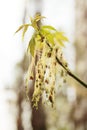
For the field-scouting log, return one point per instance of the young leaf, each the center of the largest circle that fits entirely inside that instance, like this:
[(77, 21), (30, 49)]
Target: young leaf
[(24, 31), (47, 27), (60, 36), (39, 42), (48, 35), (31, 46), (21, 27), (38, 17), (34, 25), (35, 20), (50, 38), (61, 43)]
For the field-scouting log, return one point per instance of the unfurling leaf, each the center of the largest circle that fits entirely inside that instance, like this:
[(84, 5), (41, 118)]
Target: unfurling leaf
[(35, 20), (39, 17)]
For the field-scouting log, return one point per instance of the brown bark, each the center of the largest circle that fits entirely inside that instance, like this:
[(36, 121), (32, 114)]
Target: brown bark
[(38, 119), (19, 121), (38, 115), (81, 43), (81, 38)]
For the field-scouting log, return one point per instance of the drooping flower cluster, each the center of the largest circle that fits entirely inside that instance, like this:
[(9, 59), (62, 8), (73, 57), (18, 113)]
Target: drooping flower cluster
[(44, 46), (45, 73), (45, 76)]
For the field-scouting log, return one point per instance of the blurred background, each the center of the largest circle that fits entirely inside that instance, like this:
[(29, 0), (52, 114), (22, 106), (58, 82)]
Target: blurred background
[(70, 112)]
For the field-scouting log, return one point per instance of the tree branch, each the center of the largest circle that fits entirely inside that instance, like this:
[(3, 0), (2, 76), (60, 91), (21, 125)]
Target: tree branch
[(71, 74)]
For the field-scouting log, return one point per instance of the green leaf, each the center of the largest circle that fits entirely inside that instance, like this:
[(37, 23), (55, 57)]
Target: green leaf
[(35, 20), (31, 46), (34, 25), (50, 38), (21, 27), (61, 43), (60, 36), (24, 31), (48, 35), (39, 17), (48, 28), (39, 42)]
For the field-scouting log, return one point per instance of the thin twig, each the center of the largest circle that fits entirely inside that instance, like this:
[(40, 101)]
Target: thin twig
[(71, 74)]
